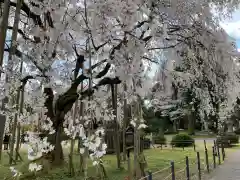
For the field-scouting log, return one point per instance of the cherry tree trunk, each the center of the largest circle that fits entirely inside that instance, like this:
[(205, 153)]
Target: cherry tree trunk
[(175, 126), (57, 154), (190, 124), (124, 122), (56, 157), (230, 127), (205, 126), (116, 125)]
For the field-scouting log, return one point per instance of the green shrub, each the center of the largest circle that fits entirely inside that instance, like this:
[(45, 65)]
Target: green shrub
[(228, 139), (182, 140), (159, 140)]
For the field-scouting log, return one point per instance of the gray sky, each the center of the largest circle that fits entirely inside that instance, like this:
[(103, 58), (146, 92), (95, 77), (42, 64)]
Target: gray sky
[(232, 26)]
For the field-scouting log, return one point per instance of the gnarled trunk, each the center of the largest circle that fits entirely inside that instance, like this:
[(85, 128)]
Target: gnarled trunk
[(56, 111), (56, 157), (57, 154)]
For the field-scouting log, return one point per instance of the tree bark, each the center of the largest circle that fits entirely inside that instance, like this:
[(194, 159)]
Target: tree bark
[(190, 124), (124, 121), (57, 156), (205, 125), (116, 124), (63, 105), (19, 125), (174, 126), (3, 29), (81, 110), (9, 69), (71, 165), (13, 136), (137, 114), (230, 126)]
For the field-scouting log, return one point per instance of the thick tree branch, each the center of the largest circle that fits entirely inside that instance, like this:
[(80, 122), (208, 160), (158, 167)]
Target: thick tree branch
[(49, 102), (104, 71), (79, 65), (99, 63), (36, 18), (25, 79), (103, 82), (66, 101), (17, 52), (23, 34), (96, 48)]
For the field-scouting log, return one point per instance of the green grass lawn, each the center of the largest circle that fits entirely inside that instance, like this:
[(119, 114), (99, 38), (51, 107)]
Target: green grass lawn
[(157, 159)]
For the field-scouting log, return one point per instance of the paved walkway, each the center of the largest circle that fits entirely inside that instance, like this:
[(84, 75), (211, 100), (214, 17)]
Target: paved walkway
[(230, 170)]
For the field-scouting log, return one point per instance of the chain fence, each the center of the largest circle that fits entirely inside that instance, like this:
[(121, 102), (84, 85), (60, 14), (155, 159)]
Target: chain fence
[(191, 168)]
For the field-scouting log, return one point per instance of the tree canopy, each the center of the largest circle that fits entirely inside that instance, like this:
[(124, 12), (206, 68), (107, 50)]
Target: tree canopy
[(78, 65)]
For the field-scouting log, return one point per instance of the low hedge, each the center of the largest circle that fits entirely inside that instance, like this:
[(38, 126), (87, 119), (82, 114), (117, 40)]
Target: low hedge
[(182, 140)]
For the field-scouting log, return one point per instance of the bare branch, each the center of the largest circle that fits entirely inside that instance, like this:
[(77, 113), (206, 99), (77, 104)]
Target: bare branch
[(99, 63), (103, 82), (104, 71), (23, 34), (21, 55), (149, 59), (79, 65), (165, 47), (25, 79)]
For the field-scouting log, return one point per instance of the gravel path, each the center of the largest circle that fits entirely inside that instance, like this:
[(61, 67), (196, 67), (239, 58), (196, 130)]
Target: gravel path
[(230, 170)]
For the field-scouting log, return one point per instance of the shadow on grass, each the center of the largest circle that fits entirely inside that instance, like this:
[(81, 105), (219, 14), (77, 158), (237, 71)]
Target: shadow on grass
[(157, 159)]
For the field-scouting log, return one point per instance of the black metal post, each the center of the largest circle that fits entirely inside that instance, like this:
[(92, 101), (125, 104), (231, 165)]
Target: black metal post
[(199, 165), (187, 168), (173, 170)]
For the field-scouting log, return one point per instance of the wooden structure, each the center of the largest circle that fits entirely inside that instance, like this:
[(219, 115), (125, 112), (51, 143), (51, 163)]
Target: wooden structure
[(109, 139), (129, 135)]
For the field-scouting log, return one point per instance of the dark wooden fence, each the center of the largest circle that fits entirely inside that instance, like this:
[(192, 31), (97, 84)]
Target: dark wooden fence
[(194, 169)]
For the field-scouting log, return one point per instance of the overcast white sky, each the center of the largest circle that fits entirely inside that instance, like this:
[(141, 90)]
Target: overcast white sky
[(232, 26)]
